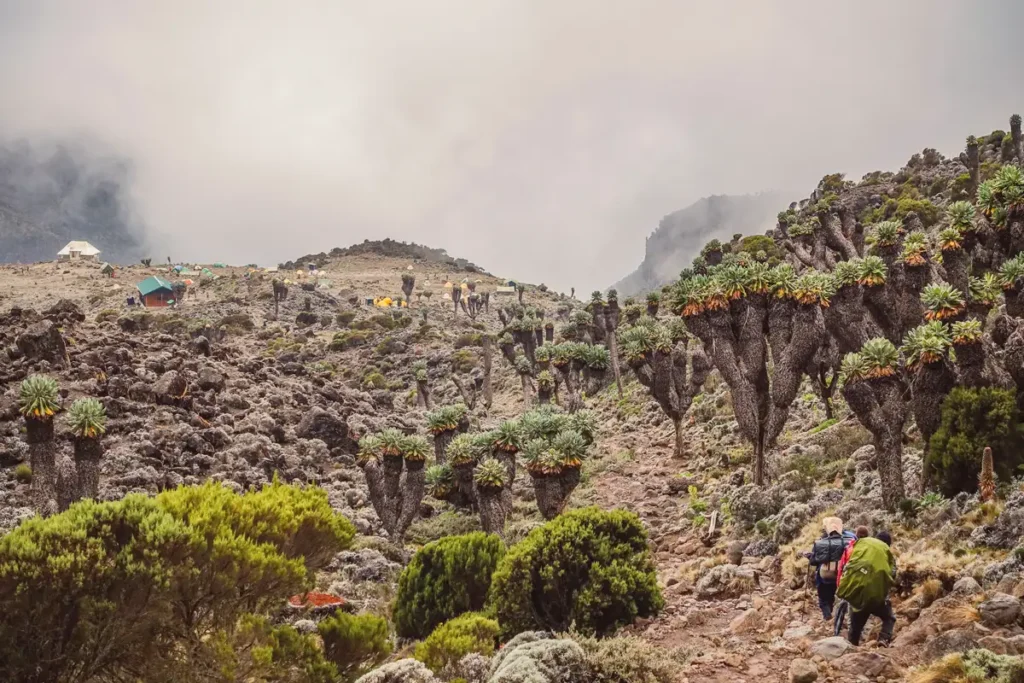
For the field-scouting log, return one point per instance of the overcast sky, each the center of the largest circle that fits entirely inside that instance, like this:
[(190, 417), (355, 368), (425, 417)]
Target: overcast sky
[(542, 139)]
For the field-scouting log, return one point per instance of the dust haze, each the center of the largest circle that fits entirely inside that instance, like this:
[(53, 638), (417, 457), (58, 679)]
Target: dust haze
[(542, 140)]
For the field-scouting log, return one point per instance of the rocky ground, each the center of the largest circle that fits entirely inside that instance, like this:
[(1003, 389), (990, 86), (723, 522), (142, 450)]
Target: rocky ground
[(221, 388)]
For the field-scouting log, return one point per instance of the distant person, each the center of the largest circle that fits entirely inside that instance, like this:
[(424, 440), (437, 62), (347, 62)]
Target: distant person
[(131, 301), (825, 556), (865, 583)]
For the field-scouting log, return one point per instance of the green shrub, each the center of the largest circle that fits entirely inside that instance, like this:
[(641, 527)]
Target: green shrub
[(928, 212), (628, 659), (755, 243), (375, 380), (177, 585), (23, 473), (973, 666), (588, 567), (344, 318), (445, 578), (971, 420), (105, 315), (468, 339), (447, 523), (453, 640), (349, 339), (355, 644), (389, 346), (463, 361)]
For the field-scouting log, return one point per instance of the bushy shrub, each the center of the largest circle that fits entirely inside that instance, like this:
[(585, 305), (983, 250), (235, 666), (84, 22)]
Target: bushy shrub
[(468, 339), (445, 578), (589, 567), (176, 585), (973, 666), (23, 473), (971, 420), (349, 339), (463, 361), (453, 640), (755, 243), (627, 659), (355, 644), (344, 318)]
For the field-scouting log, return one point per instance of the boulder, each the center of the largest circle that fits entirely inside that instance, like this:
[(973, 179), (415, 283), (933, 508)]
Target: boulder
[(210, 379), (953, 640), (966, 586), (734, 553), (328, 427), (1007, 529), (747, 622), (999, 610), (42, 341), (803, 671), (873, 665), (170, 388), (831, 648), (726, 581), (65, 310), (201, 345)]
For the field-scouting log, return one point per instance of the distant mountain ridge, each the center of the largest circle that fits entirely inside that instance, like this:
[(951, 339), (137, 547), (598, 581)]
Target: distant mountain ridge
[(680, 235), (53, 193)]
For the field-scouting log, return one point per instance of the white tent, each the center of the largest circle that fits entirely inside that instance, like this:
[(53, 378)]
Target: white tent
[(78, 250)]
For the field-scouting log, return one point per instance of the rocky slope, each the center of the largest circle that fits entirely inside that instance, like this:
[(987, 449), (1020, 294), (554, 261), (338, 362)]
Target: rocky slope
[(680, 235)]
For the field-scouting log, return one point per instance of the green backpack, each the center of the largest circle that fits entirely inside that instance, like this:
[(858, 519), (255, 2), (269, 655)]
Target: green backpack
[(867, 577)]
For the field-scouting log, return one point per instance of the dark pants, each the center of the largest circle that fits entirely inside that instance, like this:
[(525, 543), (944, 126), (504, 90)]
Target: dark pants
[(859, 618), (826, 598)]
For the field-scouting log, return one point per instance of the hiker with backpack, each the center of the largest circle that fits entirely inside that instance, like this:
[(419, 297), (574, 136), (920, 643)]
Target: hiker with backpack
[(842, 607), (864, 583), (825, 555)]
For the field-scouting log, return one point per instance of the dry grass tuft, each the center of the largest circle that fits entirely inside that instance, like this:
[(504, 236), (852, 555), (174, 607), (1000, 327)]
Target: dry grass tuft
[(930, 591), (949, 669)]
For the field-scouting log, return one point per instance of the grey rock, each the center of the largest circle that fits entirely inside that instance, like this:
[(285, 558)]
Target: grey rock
[(42, 341), (210, 379), (831, 648), (750, 503), (966, 585), (305, 626), (953, 640), (726, 581), (802, 671), (761, 547), (328, 427), (999, 610)]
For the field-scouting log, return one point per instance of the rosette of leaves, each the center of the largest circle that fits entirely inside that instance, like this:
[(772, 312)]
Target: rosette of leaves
[(950, 239), (942, 302), (462, 450), (596, 357), (813, 288), (847, 273), (370, 449), (803, 229), (783, 281), (440, 481), (392, 441), (885, 234), (532, 451), (915, 250), (1012, 273), (415, 448), (419, 371), (853, 368), (716, 296), (545, 382), (507, 437), (445, 419), (985, 290), (523, 365), (571, 446), (87, 418), (872, 272), (926, 344), (733, 280), (584, 423), (961, 216), (759, 279), (37, 398), (489, 475), (542, 355), (967, 332), (1002, 195), (880, 357)]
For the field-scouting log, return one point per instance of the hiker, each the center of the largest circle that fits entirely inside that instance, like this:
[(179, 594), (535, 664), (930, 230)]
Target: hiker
[(825, 555), (865, 583), (842, 607)]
